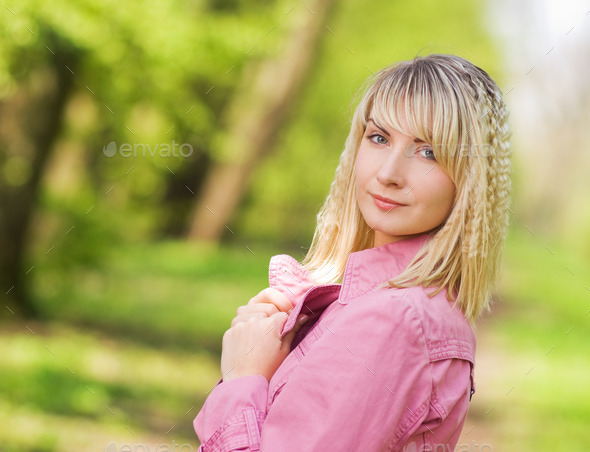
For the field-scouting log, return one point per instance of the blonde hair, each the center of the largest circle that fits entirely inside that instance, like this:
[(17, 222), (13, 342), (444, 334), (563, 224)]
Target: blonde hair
[(455, 106)]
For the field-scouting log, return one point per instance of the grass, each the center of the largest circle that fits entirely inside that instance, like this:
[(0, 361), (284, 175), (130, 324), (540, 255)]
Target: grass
[(66, 389), (174, 294), (131, 347)]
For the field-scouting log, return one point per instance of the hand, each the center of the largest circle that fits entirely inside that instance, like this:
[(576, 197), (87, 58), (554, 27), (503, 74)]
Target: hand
[(255, 347), (266, 303)]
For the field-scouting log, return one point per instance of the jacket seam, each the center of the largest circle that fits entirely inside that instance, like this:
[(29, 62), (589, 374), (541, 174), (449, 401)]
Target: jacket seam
[(300, 304), (346, 277), (436, 406), (294, 265), (252, 429), (423, 407), (414, 419), (298, 355), (450, 348), (321, 289), (371, 289), (434, 394), (233, 421), (345, 300)]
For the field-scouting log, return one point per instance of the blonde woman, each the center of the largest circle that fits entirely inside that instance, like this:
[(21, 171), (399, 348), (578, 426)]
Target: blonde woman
[(368, 345)]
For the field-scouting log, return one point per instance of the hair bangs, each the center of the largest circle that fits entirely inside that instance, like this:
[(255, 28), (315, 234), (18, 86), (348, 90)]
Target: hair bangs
[(418, 100), (399, 104)]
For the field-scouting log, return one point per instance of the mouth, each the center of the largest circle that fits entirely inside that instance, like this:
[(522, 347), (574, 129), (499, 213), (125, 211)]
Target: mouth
[(386, 203)]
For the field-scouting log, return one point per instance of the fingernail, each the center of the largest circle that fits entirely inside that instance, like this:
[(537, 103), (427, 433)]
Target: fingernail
[(304, 318)]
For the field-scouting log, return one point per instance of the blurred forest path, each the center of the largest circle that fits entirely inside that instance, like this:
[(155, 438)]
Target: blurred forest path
[(478, 430)]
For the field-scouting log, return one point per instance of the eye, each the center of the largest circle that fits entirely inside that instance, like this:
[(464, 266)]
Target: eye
[(377, 138), (426, 152)]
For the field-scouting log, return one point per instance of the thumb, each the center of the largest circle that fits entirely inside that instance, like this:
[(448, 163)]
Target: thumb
[(301, 320)]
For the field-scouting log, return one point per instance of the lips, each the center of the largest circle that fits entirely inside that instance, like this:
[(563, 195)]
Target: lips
[(386, 203)]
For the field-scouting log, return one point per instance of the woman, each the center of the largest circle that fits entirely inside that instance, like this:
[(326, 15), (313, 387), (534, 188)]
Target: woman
[(368, 344)]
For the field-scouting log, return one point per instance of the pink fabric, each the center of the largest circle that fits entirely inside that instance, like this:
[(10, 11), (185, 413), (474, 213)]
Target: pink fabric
[(373, 369)]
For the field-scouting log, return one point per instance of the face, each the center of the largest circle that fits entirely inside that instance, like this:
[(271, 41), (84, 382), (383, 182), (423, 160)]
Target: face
[(401, 189)]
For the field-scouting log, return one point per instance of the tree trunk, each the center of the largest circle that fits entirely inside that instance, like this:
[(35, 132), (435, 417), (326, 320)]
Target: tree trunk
[(29, 123), (254, 117)]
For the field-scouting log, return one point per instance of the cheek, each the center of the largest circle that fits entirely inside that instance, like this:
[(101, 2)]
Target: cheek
[(366, 164), (442, 192), (447, 195), (360, 168)]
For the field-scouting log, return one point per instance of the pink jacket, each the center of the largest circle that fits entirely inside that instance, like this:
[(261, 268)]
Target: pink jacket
[(372, 369)]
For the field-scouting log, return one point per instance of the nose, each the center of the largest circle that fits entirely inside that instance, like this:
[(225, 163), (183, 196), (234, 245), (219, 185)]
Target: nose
[(393, 170)]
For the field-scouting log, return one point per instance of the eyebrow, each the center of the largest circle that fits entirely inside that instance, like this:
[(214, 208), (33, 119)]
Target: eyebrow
[(416, 140)]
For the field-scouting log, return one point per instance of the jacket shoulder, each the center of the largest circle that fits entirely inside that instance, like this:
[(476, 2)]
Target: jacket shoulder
[(384, 319), (448, 332), (445, 329)]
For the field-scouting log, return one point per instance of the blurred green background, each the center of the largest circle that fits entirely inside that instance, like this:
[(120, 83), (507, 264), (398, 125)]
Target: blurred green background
[(155, 155)]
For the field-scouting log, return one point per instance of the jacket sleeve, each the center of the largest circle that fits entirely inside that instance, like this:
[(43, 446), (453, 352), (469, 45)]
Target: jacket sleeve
[(232, 415), (364, 385)]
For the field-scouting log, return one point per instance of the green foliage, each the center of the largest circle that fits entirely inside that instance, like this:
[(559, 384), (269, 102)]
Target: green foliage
[(145, 76), (163, 73), (290, 186)]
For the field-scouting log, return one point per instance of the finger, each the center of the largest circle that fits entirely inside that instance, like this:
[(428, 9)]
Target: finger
[(278, 320), (246, 317), (273, 296), (288, 338), (301, 320), (267, 308)]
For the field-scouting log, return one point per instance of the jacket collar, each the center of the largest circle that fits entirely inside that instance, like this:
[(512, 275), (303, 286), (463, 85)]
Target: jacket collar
[(364, 271), (367, 269)]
